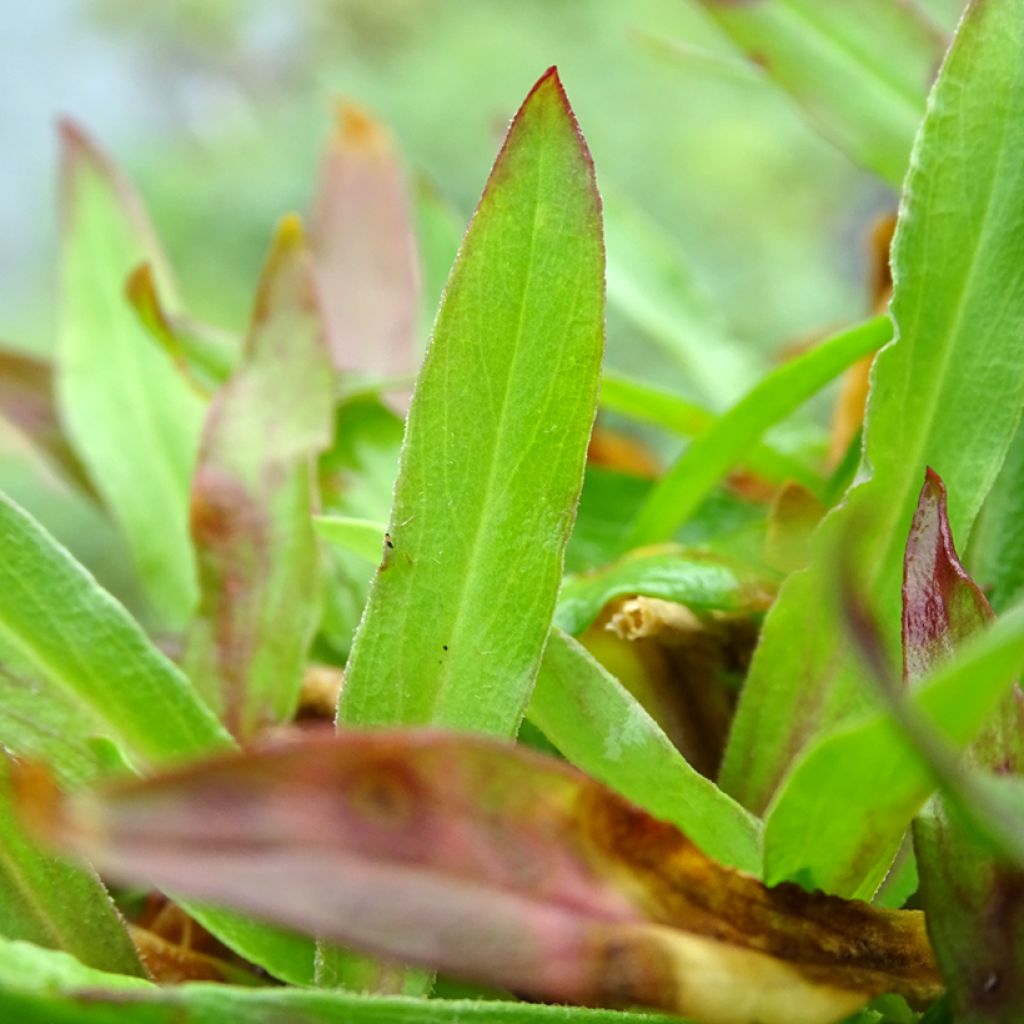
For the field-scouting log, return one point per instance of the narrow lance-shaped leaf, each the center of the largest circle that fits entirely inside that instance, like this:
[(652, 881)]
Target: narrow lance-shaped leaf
[(947, 393), (77, 674), (49, 901), (493, 456), (39, 986), (252, 503), (693, 476), (597, 724), (362, 238), (859, 69), (502, 866), (969, 893), (131, 416)]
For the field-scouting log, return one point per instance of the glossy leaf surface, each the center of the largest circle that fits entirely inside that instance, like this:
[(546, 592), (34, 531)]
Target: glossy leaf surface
[(131, 416), (493, 456), (253, 500), (699, 580), (947, 394)]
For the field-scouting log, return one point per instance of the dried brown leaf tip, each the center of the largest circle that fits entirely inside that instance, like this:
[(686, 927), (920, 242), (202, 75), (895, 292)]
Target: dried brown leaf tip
[(496, 864)]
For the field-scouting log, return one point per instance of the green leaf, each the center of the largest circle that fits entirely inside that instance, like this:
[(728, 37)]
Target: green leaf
[(874, 773), (997, 550), (947, 393), (363, 537), (599, 726), (649, 404), (284, 954), (77, 672), (54, 903), (714, 452), (860, 69), (252, 503), (203, 354), (700, 580), (38, 986), (496, 438), (132, 418)]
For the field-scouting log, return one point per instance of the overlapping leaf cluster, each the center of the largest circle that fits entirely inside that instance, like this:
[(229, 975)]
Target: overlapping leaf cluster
[(211, 540)]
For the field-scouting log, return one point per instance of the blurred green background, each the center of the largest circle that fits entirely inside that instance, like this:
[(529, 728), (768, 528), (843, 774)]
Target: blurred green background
[(219, 110)]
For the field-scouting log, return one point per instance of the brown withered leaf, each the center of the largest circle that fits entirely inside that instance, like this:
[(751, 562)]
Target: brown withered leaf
[(363, 242), (501, 866), (683, 666), (973, 899)]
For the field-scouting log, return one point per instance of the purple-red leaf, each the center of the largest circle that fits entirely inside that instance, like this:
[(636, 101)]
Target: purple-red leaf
[(499, 865), (362, 238), (942, 605), (972, 899), (253, 498)]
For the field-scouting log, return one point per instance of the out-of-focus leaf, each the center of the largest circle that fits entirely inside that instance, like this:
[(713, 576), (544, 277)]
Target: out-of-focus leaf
[(362, 239), (39, 986), (699, 580), (948, 393), (203, 354), (493, 456), (795, 515), (362, 537), (27, 400), (599, 726), (965, 888), (438, 234), (997, 548), (648, 404), (872, 770), (46, 900), (131, 416), (695, 473), (76, 672), (30, 478), (860, 69), (357, 480), (252, 503), (501, 866), (652, 286)]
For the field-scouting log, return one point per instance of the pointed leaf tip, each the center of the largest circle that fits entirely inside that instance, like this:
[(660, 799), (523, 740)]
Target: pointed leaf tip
[(289, 233), (356, 128)]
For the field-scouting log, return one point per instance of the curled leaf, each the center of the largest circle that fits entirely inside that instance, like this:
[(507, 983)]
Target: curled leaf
[(501, 866)]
